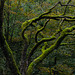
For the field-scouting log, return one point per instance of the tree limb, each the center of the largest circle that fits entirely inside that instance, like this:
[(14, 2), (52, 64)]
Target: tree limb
[(39, 30), (63, 44), (39, 43)]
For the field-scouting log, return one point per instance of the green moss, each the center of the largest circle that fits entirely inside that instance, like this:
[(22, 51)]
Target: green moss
[(44, 47), (67, 30), (26, 36), (11, 59), (72, 17), (28, 22), (24, 24)]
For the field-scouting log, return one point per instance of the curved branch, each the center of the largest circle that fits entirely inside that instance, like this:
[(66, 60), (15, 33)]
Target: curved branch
[(39, 30), (23, 32)]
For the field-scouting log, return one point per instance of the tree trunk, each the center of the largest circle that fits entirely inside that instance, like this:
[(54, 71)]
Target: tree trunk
[(5, 47), (24, 61)]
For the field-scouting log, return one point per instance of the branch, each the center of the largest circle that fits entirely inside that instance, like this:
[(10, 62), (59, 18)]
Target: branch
[(57, 17), (50, 9), (69, 20), (66, 4), (55, 6), (49, 39), (38, 44), (66, 7), (60, 29), (63, 44), (39, 30), (44, 47)]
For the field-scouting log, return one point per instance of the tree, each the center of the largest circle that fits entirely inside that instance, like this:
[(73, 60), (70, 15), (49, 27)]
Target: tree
[(27, 66)]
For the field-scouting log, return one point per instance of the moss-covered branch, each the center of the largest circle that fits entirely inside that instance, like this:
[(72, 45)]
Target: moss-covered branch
[(38, 44), (57, 17), (39, 59), (70, 20), (44, 47), (63, 44)]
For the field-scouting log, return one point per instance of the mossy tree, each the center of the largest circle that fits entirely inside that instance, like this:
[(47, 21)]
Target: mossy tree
[(27, 65)]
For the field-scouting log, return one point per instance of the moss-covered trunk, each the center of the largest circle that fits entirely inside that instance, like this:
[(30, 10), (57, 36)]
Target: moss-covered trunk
[(5, 47)]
